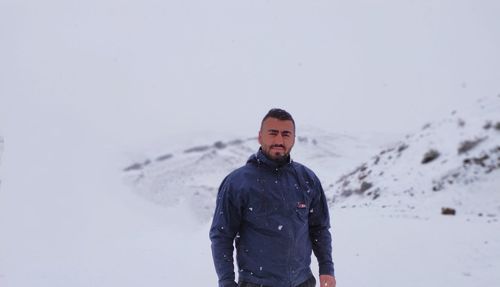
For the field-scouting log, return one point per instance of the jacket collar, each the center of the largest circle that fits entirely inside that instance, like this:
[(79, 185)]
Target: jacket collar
[(260, 158)]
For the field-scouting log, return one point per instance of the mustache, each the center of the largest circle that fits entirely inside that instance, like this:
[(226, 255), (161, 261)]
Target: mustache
[(278, 145)]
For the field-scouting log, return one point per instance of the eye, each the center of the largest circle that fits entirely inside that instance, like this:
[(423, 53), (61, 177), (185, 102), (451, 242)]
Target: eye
[(273, 133)]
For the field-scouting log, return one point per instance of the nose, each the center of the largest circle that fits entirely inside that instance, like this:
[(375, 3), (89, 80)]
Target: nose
[(278, 139)]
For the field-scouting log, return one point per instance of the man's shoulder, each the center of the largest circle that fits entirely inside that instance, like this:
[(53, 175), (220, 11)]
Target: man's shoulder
[(240, 174), (304, 170)]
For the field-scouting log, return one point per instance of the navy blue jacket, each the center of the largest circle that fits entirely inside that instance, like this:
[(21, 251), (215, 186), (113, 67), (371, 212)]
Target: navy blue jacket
[(277, 215)]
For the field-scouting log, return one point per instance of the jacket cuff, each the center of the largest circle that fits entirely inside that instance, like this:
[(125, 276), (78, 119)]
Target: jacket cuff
[(327, 270)]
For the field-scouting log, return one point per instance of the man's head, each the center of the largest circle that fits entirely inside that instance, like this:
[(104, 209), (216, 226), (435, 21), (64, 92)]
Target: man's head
[(277, 134)]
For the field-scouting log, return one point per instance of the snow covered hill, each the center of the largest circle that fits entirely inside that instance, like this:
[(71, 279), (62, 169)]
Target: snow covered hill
[(454, 162), (193, 174)]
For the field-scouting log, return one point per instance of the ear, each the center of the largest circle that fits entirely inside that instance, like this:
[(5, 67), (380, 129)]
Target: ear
[(260, 137)]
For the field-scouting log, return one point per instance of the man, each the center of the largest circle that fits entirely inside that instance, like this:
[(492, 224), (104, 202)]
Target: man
[(276, 212)]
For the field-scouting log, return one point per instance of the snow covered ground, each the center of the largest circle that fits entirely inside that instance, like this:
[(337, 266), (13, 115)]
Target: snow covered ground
[(115, 238), (384, 250)]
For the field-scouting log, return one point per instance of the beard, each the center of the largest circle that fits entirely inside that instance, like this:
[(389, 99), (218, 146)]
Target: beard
[(282, 159), (278, 157)]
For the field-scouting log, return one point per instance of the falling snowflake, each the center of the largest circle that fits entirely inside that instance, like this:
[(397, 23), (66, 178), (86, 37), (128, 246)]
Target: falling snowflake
[(280, 227)]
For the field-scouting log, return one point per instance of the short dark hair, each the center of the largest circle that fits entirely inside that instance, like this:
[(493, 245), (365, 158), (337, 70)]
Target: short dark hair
[(279, 114)]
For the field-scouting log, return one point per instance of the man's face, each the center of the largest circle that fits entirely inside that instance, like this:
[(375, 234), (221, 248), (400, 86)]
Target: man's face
[(276, 137)]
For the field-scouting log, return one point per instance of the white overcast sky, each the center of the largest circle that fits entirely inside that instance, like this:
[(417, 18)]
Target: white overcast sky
[(124, 70)]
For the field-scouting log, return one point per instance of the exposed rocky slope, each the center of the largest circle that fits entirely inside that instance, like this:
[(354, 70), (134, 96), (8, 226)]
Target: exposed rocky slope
[(453, 156)]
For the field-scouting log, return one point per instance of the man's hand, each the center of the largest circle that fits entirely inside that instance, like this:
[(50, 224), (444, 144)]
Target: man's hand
[(327, 281)]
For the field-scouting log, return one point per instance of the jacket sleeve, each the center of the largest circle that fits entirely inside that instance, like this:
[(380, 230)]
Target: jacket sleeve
[(319, 225), (225, 225)]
